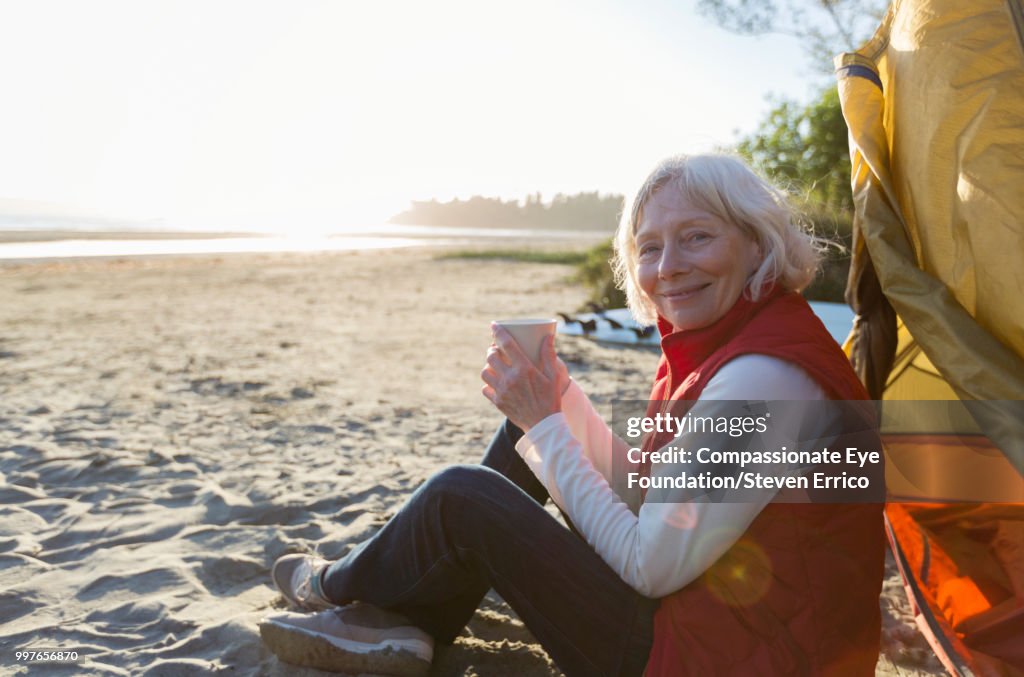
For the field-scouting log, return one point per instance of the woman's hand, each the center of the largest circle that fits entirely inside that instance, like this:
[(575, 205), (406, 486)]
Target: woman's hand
[(525, 394)]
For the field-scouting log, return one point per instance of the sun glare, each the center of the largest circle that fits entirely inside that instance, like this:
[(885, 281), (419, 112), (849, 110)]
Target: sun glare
[(301, 117)]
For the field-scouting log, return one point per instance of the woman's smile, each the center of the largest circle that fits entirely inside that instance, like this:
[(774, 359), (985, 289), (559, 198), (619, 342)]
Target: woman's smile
[(685, 294)]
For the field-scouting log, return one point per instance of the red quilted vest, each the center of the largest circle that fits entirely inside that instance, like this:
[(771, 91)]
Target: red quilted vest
[(798, 593)]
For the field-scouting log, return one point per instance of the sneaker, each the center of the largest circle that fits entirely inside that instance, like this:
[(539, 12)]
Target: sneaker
[(298, 579), (356, 639)]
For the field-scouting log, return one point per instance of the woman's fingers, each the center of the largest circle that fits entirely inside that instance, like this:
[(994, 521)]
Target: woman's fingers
[(496, 357), (496, 363), (490, 377), (508, 344), (524, 393), (548, 356)]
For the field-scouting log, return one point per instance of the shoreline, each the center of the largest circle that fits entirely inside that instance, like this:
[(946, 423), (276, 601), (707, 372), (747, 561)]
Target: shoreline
[(49, 246), (17, 235)]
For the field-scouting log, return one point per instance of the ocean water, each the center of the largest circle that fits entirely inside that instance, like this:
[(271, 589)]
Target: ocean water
[(367, 238)]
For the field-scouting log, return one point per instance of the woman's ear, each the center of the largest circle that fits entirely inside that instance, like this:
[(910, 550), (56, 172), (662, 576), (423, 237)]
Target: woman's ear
[(759, 254), (759, 243)]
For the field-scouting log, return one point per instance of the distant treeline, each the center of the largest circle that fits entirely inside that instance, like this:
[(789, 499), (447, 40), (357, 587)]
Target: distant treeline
[(582, 211)]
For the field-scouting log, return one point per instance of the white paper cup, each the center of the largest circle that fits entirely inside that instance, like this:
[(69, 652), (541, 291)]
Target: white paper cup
[(529, 334)]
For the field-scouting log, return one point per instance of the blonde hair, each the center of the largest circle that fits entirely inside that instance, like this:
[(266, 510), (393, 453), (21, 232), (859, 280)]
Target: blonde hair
[(726, 187)]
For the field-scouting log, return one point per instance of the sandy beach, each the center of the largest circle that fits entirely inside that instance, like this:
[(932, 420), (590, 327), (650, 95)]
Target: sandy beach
[(170, 426)]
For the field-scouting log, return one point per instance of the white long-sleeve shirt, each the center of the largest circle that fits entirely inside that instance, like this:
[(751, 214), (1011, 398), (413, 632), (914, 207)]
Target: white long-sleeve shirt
[(656, 547)]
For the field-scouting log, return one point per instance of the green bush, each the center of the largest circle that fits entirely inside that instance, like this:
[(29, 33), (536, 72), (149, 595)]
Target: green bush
[(523, 255), (595, 273)]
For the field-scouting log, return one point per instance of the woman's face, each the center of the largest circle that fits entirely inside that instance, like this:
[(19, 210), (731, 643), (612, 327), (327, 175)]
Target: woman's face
[(690, 263)]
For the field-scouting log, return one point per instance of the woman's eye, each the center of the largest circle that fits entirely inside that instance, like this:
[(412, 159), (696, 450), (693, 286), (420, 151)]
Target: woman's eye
[(648, 249), (699, 237)]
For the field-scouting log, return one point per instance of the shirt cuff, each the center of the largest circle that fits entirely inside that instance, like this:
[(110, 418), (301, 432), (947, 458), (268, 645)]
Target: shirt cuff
[(534, 435)]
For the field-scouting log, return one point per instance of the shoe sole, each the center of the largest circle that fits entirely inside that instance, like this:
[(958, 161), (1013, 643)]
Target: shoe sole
[(299, 646)]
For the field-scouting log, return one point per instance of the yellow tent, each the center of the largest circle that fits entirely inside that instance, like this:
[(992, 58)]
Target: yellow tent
[(935, 108)]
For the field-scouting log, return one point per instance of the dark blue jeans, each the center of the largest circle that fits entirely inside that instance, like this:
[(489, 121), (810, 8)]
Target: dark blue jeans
[(470, 528)]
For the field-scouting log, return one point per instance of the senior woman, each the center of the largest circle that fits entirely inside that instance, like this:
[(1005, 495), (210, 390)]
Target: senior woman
[(637, 585)]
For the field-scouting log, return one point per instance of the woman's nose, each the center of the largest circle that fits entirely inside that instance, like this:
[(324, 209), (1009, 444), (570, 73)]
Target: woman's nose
[(674, 261)]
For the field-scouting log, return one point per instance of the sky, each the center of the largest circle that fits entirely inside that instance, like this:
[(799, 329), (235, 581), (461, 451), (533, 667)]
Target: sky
[(306, 114)]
